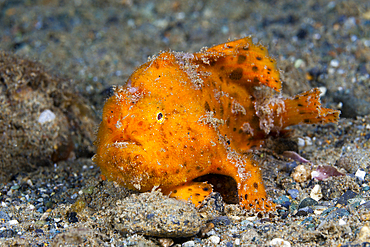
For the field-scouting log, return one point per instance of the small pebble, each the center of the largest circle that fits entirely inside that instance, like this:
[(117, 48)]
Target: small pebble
[(304, 211), (365, 216), (342, 222), (13, 222), (301, 173), (307, 202), (4, 216), (221, 220), (323, 91), (8, 233), (214, 239), (316, 193), (334, 63), (349, 194), (211, 233), (279, 242), (294, 193), (72, 217), (360, 174), (246, 223), (318, 210), (301, 142), (298, 63), (46, 116), (340, 212), (364, 234), (188, 244), (166, 242)]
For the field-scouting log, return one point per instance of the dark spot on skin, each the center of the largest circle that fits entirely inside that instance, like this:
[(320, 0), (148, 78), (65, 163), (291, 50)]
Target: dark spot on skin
[(199, 202), (255, 185), (222, 68), (111, 111), (257, 202), (263, 199), (306, 120), (276, 81), (302, 112), (230, 47), (240, 131), (212, 63), (177, 171), (259, 58), (175, 191), (255, 68), (190, 189), (221, 109), (236, 74), (159, 116), (256, 80), (241, 59), (228, 142), (197, 194), (198, 168), (267, 80), (222, 80), (218, 168), (234, 129), (250, 205), (246, 196), (205, 189), (268, 72), (300, 105), (207, 107)]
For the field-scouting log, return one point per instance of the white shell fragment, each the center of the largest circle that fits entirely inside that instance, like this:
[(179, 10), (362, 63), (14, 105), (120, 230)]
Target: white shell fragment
[(360, 174), (279, 242), (46, 116), (316, 193)]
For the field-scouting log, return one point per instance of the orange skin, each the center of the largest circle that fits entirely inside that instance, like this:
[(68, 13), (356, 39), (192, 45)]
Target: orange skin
[(181, 116)]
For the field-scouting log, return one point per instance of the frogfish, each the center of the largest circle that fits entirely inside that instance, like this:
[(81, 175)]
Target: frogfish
[(181, 116)]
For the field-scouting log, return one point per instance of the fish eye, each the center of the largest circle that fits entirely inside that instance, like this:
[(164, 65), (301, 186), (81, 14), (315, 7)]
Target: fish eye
[(160, 117)]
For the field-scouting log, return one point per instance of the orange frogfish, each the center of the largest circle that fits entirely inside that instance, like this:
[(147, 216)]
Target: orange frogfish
[(184, 115)]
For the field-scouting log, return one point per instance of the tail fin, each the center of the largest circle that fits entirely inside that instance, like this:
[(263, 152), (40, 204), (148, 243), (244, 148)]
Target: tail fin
[(305, 108)]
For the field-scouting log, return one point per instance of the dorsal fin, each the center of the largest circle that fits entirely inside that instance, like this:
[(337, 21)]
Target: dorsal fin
[(242, 62)]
